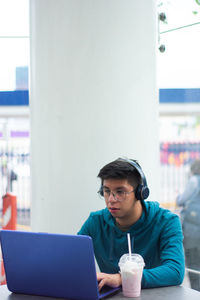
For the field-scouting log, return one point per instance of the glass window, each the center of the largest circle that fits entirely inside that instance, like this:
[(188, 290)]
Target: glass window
[(178, 80), (14, 43), (14, 56), (14, 18), (15, 129)]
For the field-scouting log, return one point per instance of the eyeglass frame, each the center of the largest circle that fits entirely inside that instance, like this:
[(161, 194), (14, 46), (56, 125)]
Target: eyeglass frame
[(101, 193)]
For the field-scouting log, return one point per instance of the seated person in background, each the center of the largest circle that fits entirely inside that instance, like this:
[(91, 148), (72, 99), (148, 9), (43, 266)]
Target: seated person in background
[(190, 217), (155, 232)]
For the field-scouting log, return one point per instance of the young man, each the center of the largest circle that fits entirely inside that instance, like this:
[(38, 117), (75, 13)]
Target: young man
[(155, 232)]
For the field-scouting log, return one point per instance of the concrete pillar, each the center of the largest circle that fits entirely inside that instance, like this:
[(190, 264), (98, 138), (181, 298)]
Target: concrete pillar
[(93, 99)]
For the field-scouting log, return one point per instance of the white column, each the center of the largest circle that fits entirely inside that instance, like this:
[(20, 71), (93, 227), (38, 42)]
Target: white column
[(93, 99)]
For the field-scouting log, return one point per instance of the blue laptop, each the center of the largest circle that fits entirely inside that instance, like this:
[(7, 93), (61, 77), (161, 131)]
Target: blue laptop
[(53, 265)]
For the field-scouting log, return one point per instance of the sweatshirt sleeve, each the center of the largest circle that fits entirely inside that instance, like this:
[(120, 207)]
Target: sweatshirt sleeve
[(172, 268), (86, 227)]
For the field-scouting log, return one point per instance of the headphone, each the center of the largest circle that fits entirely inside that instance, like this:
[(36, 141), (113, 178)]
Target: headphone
[(142, 190)]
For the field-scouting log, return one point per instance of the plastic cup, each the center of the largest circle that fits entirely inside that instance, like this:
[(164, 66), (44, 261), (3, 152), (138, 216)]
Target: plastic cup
[(131, 269)]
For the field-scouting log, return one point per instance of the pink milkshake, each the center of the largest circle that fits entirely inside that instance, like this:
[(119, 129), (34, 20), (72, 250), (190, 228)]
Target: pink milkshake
[(131, 269)]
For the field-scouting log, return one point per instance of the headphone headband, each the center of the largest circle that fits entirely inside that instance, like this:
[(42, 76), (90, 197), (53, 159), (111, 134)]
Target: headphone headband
[(142, 190), (137, 167)]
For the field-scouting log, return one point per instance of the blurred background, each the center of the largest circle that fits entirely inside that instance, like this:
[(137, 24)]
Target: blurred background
[(179, 98)]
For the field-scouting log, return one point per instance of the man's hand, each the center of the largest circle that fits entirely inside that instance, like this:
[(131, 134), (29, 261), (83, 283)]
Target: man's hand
[(113, 280)]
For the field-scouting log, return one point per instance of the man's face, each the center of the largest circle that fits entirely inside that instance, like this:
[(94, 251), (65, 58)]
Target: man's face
[(124, 208)]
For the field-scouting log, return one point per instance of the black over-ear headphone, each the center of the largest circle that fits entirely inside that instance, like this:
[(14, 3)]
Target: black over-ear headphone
[(142, 190)]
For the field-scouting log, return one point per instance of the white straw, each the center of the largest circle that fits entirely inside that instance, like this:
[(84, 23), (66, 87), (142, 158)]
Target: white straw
[(129, 244)]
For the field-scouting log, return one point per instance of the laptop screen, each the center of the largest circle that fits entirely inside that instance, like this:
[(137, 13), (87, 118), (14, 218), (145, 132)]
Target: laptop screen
[(54, 265)]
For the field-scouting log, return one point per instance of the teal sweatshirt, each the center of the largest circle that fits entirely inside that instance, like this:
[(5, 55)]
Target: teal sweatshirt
[(157, 236)]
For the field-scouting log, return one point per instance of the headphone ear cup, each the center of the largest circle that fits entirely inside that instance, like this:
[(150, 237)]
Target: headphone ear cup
[(145, 192), (138, 190), (141, 192)]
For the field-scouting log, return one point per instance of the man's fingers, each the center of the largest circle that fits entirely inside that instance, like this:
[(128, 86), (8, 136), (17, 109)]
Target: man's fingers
[(101, 284), (113, 280), (100, 276)]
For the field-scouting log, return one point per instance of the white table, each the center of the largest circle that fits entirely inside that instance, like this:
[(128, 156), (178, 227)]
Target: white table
[(165, 293)]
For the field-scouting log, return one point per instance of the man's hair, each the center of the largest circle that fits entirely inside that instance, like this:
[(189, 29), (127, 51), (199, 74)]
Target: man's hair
[(195, 167), (121, 169)]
